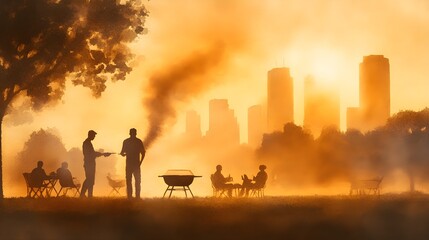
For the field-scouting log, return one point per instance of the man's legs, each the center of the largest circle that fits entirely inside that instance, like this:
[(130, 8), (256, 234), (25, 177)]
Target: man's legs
[(84, 188), (88, 184), (128, 175), (91, 179), (137, 180)]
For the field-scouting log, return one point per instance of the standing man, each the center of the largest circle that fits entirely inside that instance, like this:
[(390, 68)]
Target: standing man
[(133, 148), (89, 155)]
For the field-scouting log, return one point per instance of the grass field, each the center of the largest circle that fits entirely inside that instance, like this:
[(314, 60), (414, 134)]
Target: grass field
[(387, 217)]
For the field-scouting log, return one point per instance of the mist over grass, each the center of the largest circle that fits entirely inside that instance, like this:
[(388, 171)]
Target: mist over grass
[(339, 217)]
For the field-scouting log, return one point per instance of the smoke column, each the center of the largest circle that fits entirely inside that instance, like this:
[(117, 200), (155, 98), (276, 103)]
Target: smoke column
[(177, 84)]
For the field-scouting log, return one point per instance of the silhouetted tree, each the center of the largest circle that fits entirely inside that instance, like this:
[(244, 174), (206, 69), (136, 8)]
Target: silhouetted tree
[(355, 150), (43, 43), (42, 145), (411, 130), (289, 153), (331, 156), (401, 144)]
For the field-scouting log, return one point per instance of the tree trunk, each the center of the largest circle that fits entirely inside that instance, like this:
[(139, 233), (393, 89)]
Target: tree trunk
[(412, 182), (412, 188), (1, 160)]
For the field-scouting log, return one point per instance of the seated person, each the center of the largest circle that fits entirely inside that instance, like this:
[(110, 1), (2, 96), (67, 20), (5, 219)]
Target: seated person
[(65, 177), (221, 182), (258, 181), (38, 175)]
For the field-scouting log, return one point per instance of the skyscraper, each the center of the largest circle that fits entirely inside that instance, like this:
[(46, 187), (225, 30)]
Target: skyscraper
[(321, 107), (223, 125), (374, 80), (279, 99), (374, 93), (353, 118), (255, 125)]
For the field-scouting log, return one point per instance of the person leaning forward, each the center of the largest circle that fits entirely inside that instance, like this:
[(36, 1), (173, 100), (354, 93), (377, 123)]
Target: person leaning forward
[(89, 155), (133, 148)]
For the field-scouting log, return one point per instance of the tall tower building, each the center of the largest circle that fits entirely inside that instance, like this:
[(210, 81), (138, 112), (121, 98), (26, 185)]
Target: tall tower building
[(374, 84), (255, 125), (374, 93), (223, 125), (193, 124), (321, 107), (279, 99)]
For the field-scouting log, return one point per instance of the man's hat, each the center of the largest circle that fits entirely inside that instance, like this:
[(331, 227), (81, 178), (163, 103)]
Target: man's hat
[(91, 132)]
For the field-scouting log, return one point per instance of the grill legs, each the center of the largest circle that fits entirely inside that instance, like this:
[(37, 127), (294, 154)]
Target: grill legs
[(178, 188)]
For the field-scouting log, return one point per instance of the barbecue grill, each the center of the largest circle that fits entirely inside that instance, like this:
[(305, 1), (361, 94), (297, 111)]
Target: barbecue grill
[(178, 180)]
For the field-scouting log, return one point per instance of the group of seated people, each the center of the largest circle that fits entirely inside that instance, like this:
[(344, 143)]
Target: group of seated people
[(221, 182), (63, 174)]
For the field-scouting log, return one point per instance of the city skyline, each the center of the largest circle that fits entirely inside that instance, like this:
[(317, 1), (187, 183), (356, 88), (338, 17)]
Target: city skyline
[(321, 103)]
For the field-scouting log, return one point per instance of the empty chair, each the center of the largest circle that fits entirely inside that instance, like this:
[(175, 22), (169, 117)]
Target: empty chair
[(115, 184), (366, 186), (35, 189)]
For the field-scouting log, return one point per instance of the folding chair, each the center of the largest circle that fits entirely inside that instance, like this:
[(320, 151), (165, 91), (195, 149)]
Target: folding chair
[(217, 191), (66, 186), (34, 190), (366, 186), (257, 192), (116, 185)]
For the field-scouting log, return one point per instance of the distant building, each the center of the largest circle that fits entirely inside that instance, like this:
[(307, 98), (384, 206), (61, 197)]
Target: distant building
[(374, 94), (223, 125), (353, 118), (279, 99), (321, 107), (255, 125), (193, 124)]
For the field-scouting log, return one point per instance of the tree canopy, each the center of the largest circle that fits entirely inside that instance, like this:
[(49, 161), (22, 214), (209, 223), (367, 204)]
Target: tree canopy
[(45, 41), (402, 143)]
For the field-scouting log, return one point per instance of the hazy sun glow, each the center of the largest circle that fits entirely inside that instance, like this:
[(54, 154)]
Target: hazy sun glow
[(326, 66)]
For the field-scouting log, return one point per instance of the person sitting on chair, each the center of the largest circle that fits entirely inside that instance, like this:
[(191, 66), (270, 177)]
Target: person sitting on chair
[(38, 175), (258, 181), (65, 177), (221, 182)]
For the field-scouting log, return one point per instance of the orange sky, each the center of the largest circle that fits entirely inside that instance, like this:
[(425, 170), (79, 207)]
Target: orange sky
[(324, 38)]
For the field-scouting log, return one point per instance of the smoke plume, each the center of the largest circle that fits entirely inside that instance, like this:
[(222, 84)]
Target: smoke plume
[(177, 84)]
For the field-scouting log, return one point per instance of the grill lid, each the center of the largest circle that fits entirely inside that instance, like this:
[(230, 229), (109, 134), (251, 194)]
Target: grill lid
[(178, 172)]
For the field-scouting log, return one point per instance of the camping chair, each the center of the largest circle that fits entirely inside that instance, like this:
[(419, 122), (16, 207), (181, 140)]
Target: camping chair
[(34, 190), (115, 184), (257, 192), (218, 191), (366, 186), (67, 185)]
